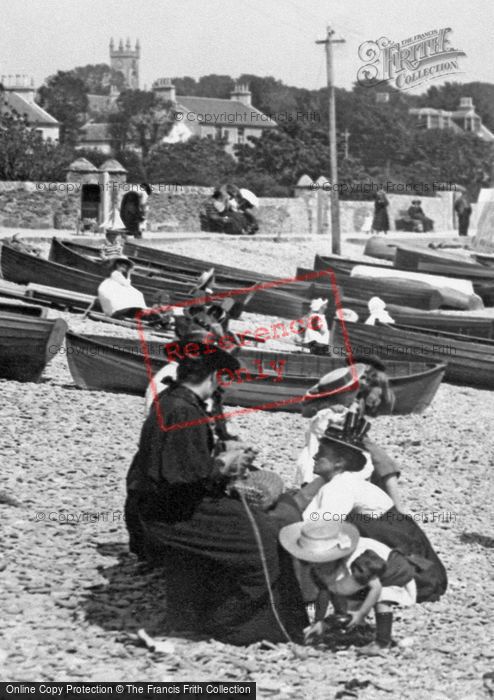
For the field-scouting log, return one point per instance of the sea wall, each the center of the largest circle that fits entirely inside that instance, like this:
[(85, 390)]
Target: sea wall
[(172, 208)]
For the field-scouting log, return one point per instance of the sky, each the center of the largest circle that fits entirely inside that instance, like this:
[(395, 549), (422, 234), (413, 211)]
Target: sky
[(230, 37)]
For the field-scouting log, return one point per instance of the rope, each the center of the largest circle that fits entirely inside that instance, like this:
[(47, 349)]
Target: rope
[(262, 554)]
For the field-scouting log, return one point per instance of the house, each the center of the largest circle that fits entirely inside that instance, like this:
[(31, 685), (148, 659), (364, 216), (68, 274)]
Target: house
[(209, 117), (234, 119), (18, 96), (96, 136), (463, 119)]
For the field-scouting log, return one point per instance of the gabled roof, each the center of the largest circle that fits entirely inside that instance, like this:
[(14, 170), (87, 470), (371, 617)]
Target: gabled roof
[(34, 114), (113, 166), (225, 112), (82, 165)]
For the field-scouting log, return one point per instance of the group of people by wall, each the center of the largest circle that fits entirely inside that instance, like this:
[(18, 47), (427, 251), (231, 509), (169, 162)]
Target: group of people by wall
[(415, 219), (230, 210)]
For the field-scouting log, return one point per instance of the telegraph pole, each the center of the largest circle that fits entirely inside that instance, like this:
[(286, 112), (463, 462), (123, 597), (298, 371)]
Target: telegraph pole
[(333, 157)]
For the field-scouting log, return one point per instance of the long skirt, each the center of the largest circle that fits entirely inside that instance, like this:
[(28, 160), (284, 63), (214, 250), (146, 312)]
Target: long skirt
[(400, 531), (463, 223), (381, 219), (214, 574)]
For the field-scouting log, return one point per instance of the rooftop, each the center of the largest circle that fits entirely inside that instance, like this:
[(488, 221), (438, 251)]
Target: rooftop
[(225, 112), (33, 113)]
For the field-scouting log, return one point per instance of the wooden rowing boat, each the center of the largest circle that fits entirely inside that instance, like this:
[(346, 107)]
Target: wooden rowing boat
[(25, 268), (485, 259), (139, 252), (469, 360), (27, 345), (286, 301), (416, 294), (118, 365), (448, 265), (88, 259), (460, 322), (384, 281)]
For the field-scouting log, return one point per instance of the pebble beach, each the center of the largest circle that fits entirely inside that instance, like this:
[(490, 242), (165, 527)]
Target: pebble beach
[(73, 598)]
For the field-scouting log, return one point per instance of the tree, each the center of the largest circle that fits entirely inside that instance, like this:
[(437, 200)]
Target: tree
[(65, 97), (99, 78), (23, 153), (132, 162), (142, 120), (202, 162), (442, 155)]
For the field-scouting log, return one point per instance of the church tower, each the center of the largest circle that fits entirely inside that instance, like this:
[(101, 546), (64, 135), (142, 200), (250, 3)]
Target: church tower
[(126, 60)]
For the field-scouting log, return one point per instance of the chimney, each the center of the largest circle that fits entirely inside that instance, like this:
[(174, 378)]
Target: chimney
[(21, 84), (164, 89), (466, 103), (241, 93)]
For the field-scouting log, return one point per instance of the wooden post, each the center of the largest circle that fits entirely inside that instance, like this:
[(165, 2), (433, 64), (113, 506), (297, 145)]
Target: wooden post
[(333, 156)]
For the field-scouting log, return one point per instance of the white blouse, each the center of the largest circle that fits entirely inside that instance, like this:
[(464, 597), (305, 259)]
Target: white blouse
[(116, 293), (345, 492)]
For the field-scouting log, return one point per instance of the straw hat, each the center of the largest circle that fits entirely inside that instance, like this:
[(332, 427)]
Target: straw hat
[(335, 382), (319, 542)]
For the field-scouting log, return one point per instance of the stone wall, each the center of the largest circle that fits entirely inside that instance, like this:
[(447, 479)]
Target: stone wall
[(48, 205)]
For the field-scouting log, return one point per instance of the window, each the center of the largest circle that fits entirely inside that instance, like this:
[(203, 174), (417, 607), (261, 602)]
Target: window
[(241, 135), (226, 134)]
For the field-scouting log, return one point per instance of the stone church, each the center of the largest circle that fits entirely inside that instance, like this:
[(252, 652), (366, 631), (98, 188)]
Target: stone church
[(126, 60)]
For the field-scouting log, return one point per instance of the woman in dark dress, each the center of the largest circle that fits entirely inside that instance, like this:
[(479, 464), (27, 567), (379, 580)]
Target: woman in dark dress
[(381, 219)]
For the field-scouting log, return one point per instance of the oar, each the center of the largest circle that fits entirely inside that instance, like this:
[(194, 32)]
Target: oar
[(90, 308)]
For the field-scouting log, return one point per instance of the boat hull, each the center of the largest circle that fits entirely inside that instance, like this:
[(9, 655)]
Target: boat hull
[(118, 365), (286, 301), (469, 360), (27, 345)]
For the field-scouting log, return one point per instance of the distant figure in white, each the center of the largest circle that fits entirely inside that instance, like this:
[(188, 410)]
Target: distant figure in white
[(377, 309), (117, 296)]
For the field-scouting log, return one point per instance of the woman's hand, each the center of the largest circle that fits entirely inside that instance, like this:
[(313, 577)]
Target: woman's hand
[(235, 463)]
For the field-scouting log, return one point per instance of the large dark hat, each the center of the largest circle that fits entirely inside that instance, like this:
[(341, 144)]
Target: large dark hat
[(199, 349), (354, 455), (114, 260)]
